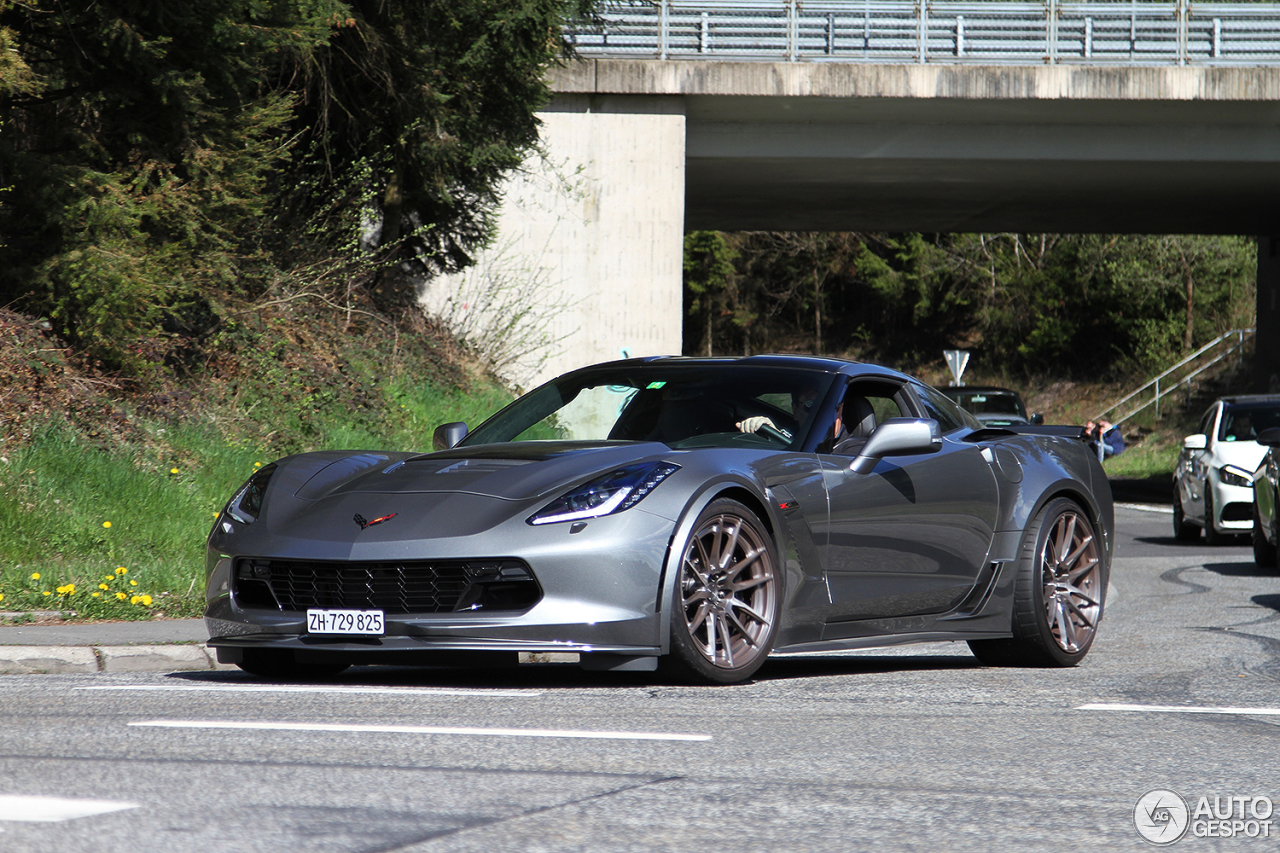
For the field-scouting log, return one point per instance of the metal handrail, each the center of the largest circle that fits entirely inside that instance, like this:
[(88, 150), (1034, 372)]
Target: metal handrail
[(1053, 32), (1241, 335)]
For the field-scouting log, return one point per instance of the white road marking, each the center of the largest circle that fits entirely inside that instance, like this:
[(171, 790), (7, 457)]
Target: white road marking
[(414, 730), (1181, 709), (1163, 510), (55, 809), (318, 688)]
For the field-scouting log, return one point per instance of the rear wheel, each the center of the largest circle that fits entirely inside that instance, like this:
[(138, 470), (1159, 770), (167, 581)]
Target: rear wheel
[(1264, 553), (279, 665), (727, 598), (1182, 531), (1058, 594)]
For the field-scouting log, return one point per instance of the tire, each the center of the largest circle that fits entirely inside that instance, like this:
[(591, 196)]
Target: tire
[(1182, 531), (1058, 594), (280, 666), (1211, 536), (1264, 553), (728, 597)]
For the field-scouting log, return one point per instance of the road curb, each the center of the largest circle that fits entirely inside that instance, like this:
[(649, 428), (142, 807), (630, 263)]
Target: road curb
[(27, 660)]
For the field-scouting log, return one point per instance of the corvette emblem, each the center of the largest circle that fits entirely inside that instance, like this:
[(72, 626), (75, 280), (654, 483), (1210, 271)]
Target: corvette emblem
[(359, 519)]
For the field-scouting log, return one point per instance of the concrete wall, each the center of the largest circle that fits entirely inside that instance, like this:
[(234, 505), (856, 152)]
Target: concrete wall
[(588, 259)]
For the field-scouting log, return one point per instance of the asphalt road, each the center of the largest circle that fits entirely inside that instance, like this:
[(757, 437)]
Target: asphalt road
[(908, 749)]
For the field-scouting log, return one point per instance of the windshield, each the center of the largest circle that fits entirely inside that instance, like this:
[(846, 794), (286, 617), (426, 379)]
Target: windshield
[(680, 405), (1244, 422)]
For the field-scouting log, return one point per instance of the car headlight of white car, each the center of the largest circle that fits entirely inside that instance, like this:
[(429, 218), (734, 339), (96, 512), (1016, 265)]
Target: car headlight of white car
[(1233, 475)]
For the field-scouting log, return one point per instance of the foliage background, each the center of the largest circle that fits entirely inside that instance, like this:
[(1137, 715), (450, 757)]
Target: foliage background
[(1076, 306)]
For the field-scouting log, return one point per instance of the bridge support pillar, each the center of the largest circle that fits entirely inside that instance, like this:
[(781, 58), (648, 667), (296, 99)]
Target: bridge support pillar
[(1266, 357), (588, 258)]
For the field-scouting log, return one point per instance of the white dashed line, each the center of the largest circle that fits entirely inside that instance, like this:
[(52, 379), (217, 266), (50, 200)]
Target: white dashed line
[(414, 730), (426, 692), (1182, 709), (55, 809)]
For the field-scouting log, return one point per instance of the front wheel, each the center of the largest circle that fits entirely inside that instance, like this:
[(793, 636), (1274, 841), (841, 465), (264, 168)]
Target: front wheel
[(1211, 534), (1182, 531), (1058, 594), (728, 597)]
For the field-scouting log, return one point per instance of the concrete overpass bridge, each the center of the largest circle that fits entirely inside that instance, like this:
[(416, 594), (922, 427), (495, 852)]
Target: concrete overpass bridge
[(881, 115)]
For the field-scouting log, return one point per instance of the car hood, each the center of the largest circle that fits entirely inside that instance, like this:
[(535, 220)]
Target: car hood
[(1245, 454), (511, 471)]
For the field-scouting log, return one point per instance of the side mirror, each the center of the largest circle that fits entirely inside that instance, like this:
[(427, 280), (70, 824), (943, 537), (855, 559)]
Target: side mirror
[(1269, 437), (898, 437), (1037, 419), (1199, 441), (448, 435)]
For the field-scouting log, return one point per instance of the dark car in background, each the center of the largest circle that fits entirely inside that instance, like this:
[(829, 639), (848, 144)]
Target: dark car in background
[(992, 406)]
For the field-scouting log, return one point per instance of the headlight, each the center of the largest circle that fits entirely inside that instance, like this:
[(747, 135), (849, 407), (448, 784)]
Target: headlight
[(1234, 476), (247, 502), (614, 492)]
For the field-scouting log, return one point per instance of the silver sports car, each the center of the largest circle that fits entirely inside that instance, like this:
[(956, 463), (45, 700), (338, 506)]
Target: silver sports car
[(692, 513)]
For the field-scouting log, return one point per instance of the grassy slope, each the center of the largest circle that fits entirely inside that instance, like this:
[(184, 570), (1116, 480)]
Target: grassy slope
[(108, 489)]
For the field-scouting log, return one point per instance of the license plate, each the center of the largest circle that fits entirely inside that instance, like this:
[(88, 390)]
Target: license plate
[(345, 622)]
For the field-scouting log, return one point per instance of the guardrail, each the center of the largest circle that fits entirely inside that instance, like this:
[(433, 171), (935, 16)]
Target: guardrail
[(1182, 373), (944, 31)]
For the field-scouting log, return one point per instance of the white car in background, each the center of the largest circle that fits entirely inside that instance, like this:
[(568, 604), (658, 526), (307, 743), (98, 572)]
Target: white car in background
[(1213, 480)]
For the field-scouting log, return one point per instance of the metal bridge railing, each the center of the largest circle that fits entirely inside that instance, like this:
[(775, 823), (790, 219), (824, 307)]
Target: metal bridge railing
[(1181, 374), (943, 31)]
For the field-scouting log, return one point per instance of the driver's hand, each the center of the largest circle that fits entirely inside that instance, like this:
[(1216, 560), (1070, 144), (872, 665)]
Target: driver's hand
[(754, 423)]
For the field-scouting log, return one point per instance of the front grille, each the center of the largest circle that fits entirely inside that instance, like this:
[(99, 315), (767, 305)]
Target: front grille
[(395, 587)]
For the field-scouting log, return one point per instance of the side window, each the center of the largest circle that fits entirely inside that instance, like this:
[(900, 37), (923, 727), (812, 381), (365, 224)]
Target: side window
[(866, 404), (940, 407)]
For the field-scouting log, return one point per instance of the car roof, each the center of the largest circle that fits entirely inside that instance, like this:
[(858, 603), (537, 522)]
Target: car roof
[(1251, 398), (827, 364)]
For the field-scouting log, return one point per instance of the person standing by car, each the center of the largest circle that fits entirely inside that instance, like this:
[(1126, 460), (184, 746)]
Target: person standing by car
[(1105, 438)]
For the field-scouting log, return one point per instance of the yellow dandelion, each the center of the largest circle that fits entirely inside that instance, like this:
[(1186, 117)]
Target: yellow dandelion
[(35, 576), (46, 592), (103, 586), (121, 596), (109, 579), (97, 595), (135, 599), (67, 589), (257, 465), (133, 583), (146, 599), (216, 514), (121, 570), (1, 596), (173, 470), (106, 524)]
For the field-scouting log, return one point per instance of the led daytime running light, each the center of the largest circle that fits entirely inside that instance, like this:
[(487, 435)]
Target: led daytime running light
[(614, 492)]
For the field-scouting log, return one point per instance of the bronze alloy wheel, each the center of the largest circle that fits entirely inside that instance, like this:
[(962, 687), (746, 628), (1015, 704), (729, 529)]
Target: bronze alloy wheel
[(1070, 571), (729, 595), (1061, 582)]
